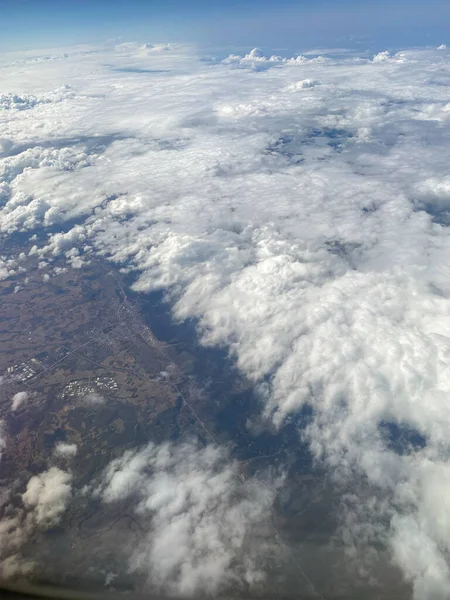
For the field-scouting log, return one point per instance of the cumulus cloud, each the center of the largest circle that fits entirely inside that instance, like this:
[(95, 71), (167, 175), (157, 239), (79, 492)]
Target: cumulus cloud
[(40, 507), (66, 450), (306, 232), (257, 61), (434, 194), (47, 495), (7, 267), (146, 48), (386, 56), (206, 528), (19, 102), (19, 400), (304, 84), (93, 399)]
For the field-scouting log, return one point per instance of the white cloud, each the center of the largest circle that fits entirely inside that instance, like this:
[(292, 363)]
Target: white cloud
[(256, 60), (93, 399), (146, 48), (207, 529), (307, 232), (202, 525), (19, 400), (150, 48), (15, 566), (40, 507), (47, 496), (65, 450), (386, 56), (304, 84), (2, 437), (7, 268), (434, 193), (18, 102)]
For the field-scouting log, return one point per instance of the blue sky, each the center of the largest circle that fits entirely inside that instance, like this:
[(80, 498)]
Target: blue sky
[(293, 25)]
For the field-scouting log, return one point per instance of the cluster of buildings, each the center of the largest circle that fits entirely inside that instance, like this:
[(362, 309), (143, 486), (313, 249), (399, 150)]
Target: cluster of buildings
[(83, 388), (24, 371)]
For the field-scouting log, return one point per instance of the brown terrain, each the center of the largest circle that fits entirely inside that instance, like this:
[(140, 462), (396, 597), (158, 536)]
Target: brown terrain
[(74, 341)]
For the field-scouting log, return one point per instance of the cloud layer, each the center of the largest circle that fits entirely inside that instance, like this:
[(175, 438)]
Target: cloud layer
[(206, 528), (298, 209)]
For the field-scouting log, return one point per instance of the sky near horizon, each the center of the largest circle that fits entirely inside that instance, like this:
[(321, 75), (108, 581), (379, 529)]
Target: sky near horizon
[(289, 25)]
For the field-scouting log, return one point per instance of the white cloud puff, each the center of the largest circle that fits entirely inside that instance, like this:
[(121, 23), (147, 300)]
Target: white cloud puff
[(40, 507), (93, 399), (304, 84), (18, 102), (47, 496), (19, 400), (386, 56), (4, 272), (66, 450), (256, 60)]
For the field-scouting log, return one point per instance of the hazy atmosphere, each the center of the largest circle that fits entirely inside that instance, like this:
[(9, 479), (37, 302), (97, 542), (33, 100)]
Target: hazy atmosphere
[(225, 297)]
